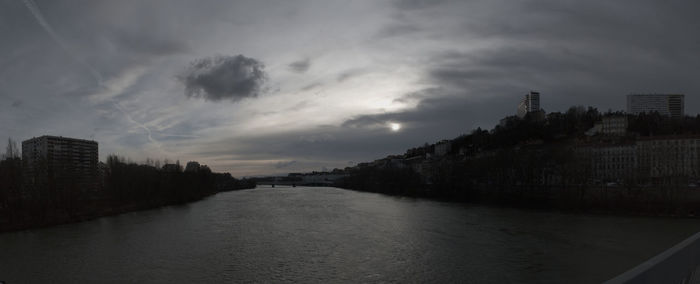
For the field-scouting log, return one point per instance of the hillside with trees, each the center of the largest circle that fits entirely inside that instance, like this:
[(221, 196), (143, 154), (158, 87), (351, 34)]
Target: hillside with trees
[(535, 161)]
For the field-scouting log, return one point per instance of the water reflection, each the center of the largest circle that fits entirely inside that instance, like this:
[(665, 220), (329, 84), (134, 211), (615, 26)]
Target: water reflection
[(327, 234)]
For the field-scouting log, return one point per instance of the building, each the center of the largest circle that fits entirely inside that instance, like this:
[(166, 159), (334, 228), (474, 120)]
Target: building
[(611, 162), (672, 105), (530, 103), (192, 166), (647, 158), (670, 156), (443, 147), (60, 164), (614, 125)]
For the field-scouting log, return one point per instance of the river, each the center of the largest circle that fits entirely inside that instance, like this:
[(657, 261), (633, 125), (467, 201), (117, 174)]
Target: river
[(327, 235)]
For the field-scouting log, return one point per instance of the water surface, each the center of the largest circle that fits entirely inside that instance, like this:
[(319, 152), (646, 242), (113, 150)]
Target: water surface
[(333, 235)]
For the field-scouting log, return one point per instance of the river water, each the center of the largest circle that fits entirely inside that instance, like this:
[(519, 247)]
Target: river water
[(331, 235)]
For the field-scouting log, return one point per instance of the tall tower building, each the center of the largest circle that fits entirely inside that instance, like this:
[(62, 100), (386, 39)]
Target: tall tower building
[(672, 105), (530, 103), (59, 164)]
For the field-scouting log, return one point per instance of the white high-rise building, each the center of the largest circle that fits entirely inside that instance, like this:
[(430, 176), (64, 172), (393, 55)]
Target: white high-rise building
[(61, 163), (530, 103), (672, 105)]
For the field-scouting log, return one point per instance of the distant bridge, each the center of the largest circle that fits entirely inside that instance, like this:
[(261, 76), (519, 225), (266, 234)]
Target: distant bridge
[(276, 182)]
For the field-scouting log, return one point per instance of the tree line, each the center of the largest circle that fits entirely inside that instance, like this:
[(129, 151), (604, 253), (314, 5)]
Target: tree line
[(120, 186), (530, 162)]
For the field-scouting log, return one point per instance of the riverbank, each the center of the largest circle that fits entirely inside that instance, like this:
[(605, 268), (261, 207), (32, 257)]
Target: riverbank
[(18, 221), (96, 210), (616, 201), (122, 187)]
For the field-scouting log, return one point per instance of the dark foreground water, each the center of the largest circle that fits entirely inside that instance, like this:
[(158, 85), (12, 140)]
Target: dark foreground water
[(332, 235)]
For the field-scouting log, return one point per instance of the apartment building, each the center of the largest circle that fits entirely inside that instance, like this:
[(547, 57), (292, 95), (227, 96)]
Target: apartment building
[(672, 105), (60, 163)]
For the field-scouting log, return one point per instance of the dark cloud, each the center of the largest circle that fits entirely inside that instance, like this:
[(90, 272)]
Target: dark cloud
[(365, 137), (397, 30), (347, 74), (591, 53), (148, 44), (300, 66), (17, 103), (440, 117), (369, 121), (224, 77), (418, 96), (285, 164), (417, 4), (311, 86)]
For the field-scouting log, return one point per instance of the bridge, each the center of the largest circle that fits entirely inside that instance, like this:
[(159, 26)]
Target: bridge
[(278, 183), (293, 183), (679, 264)]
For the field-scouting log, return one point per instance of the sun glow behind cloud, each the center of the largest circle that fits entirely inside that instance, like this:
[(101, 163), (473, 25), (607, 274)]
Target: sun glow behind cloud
[(395, 127)]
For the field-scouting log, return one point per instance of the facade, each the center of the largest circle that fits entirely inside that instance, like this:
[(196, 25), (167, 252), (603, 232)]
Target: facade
[(60, 163), (443, 147), (647, 158), (670, 156), (614, 125), (611, 162), (530, 103), (672, 105)]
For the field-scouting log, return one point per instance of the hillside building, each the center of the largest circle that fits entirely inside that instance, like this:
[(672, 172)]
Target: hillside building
[(670, 156), (530, 103), (672, 105)]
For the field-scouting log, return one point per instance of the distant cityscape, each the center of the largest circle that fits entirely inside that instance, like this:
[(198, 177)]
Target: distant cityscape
[(74, 162), (652, 143), (613, 152)]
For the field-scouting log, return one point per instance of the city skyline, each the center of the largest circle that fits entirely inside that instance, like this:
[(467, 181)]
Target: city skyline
[(264, 88)]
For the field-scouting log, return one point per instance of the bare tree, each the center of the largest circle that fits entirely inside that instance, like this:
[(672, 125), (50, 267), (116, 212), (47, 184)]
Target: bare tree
[(11, 151)]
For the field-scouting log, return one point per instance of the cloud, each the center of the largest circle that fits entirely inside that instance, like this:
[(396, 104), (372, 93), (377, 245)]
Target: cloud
[(311, 86), (368, 121), (300, 66), (148, 44), (417, 4), (34, 9), (224, 77), (347, 74), (285, 164), (397, 30), (447, 66), (317, 137)]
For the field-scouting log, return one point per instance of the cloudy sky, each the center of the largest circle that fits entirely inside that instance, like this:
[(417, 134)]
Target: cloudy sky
[(264, 87)]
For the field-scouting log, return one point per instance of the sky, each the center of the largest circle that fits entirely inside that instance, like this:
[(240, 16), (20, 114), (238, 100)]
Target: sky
[(272, 87)]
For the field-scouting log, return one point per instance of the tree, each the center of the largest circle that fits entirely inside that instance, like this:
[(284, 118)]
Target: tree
[(11, 151)]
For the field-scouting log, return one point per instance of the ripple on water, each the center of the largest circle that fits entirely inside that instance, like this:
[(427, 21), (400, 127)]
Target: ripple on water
[(332, 235)]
